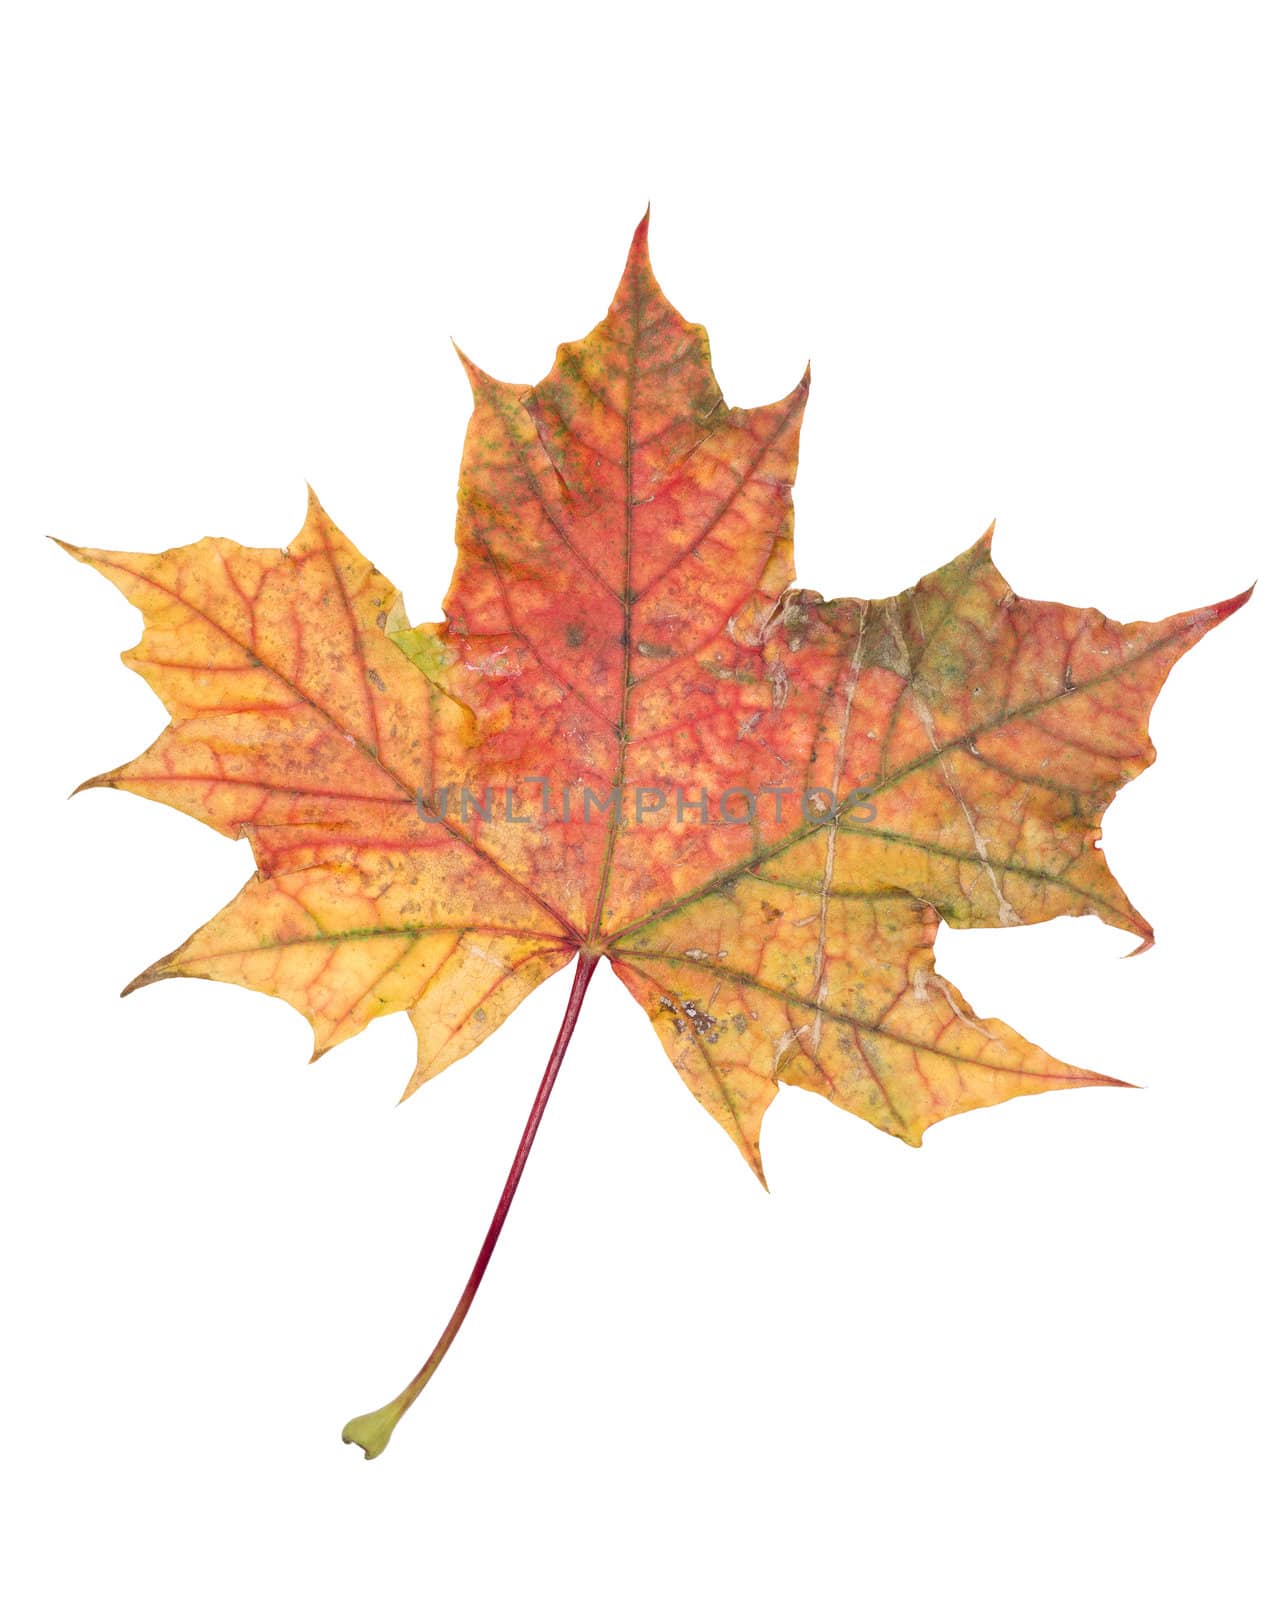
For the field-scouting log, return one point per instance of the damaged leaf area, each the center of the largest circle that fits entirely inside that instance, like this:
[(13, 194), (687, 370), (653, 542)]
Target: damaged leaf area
[(632, 739)]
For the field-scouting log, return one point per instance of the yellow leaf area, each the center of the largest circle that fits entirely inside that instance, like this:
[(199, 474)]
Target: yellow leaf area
[(631, 737)]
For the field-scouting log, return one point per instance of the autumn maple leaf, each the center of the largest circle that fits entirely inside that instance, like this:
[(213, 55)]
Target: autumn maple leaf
[(631, 739)]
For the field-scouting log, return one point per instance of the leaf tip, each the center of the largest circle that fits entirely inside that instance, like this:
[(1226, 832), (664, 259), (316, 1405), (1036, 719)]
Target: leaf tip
[(479, 381), (1200, 621), (152, 974), (102, 781), (749, 1147), (1223, 609), (638, 263), (316, 517)]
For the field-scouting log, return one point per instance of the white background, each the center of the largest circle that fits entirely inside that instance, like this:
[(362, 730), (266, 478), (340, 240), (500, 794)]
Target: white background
[(1036, 257)]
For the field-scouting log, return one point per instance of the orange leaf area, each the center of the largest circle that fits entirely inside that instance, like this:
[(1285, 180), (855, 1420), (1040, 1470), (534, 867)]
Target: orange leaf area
[(630, 736)]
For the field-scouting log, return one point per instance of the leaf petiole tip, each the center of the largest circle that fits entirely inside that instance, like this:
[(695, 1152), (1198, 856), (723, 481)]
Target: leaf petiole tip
[(373, 1431)]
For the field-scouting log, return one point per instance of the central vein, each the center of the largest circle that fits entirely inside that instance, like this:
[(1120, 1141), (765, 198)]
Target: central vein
[(627, 616)]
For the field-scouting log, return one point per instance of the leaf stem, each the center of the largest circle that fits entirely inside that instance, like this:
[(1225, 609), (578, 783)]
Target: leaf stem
[(373, 1430)]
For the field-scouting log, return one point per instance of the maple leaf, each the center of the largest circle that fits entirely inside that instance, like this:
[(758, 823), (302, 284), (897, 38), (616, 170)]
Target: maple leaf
[(631, 738)]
